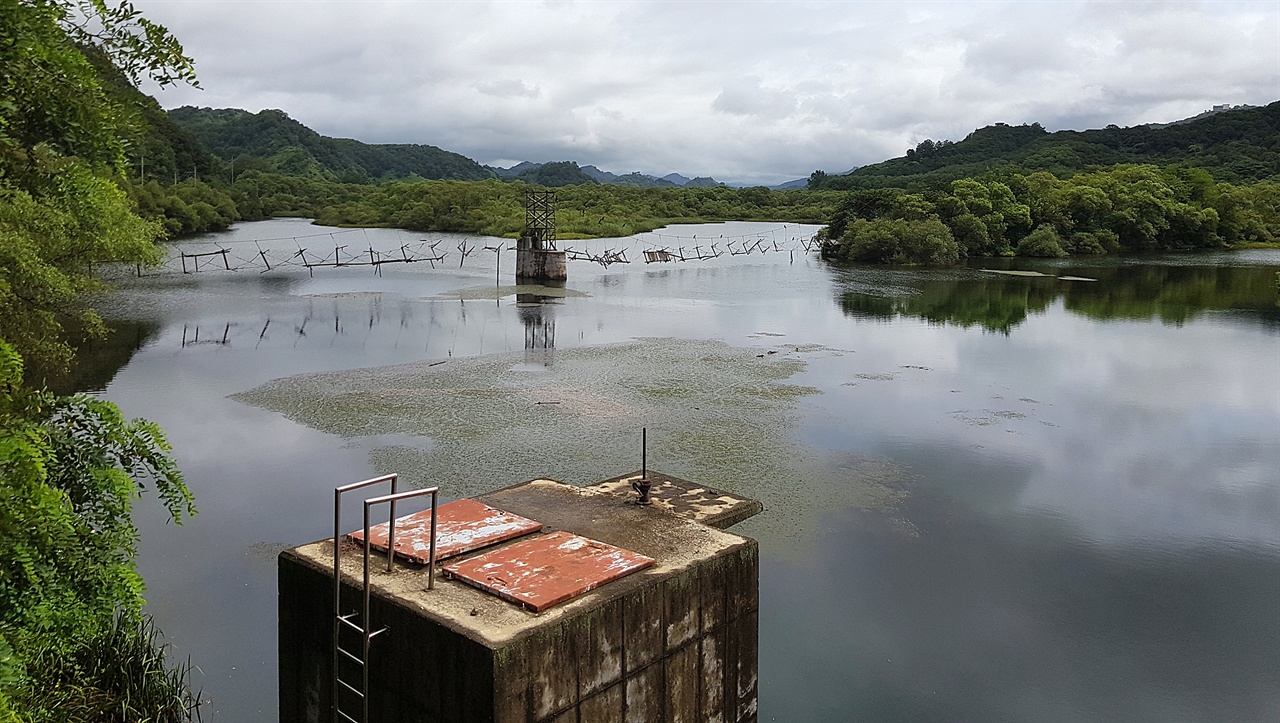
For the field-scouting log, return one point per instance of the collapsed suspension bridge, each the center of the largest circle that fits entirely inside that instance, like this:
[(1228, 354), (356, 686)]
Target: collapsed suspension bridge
[(328, 250)]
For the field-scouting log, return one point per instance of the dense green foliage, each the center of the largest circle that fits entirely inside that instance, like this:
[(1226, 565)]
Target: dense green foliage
[(1126, 207), (272, 141), (50, 236), (69, 592), (485, 207), (902, 241), (156, 148), (1237, 146), (74, 643)]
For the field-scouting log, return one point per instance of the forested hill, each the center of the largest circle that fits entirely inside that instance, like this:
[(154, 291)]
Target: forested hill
[(157, 148), (1237, 146), (272, 141)]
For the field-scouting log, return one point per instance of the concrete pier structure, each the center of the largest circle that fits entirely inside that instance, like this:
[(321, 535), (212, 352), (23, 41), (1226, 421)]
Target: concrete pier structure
[(536, 264), (536, 256), (675, 642)]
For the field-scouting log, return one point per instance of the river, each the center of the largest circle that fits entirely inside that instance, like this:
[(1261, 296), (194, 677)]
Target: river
[(1051, 495)]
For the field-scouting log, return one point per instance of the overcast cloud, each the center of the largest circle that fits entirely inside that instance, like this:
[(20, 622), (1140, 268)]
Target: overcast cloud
[(747, 92)]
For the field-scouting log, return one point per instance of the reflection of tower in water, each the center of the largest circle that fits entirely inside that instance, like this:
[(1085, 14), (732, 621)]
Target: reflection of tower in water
[(537, 316)]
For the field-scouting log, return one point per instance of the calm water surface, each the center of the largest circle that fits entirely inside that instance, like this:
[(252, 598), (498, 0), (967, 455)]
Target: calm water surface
[(990, 496)]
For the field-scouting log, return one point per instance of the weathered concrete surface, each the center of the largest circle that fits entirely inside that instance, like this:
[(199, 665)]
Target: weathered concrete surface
[(541, 265), (675, 642), (686, 499)]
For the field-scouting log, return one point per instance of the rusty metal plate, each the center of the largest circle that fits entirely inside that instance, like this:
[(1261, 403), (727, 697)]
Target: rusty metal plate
[(464, 525), (547, 570)]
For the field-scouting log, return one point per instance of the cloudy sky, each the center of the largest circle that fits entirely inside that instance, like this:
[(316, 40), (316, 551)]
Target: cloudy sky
[(746, 92)]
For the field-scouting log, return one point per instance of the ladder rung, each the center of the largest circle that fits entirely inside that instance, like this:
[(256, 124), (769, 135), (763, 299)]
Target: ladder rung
[(344, 715), (358, 661), (343, 683), (353, 626)]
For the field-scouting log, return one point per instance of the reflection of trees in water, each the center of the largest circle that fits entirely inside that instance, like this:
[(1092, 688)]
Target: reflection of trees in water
[(1173, 294), (995, 305), (98, 360)]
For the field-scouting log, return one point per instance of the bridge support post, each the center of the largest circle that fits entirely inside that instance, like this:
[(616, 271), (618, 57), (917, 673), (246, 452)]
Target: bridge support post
[(537, 259)]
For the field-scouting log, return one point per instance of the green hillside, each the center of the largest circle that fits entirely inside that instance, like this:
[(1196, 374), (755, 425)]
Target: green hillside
[(272, 141), (156, 147), (553, 175), (1237, 146)]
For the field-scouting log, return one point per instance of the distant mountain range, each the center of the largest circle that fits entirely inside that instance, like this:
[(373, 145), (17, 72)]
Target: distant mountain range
[(270, 140), (528, 169), (1236, 144)]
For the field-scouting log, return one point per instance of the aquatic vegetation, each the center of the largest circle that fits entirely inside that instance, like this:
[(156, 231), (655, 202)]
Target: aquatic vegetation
[(721, 415)]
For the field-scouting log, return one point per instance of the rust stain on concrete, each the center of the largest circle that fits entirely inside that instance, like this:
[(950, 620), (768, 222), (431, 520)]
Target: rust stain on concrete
[(548, 570), (464, 525)]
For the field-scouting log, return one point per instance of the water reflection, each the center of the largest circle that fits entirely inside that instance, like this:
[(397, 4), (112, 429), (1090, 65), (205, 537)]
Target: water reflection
[(1173, 294), (98, 359), (191, 336), (537, 315)]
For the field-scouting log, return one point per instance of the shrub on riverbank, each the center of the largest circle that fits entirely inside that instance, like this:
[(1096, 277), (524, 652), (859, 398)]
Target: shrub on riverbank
[(898, 241), (1123, 208)]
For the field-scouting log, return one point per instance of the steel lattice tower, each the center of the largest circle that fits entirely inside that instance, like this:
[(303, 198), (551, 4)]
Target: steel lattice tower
[(540, 219)]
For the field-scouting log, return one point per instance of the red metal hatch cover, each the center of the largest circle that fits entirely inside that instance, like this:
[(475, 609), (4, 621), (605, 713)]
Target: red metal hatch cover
[(547, 570), (464, 525)]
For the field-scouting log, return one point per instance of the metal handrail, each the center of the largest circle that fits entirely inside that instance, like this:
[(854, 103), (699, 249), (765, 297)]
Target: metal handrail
[(337, 579), (393, 498), (431, 579), (367, 636)]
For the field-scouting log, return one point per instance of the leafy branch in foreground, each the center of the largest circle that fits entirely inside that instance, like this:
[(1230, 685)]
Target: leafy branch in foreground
[(137, 46), (70, 594), (75, 644)]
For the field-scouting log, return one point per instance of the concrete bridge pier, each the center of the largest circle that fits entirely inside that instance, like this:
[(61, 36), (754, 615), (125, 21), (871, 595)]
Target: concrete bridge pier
[(534, 263)]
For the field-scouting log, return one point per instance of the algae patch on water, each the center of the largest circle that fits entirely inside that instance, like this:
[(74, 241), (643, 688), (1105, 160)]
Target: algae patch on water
[(721, 415)]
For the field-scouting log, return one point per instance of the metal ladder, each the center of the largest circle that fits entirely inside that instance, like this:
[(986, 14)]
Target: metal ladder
[(358, 622)]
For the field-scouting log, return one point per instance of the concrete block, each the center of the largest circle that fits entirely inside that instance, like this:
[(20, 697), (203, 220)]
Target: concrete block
[(712, 693), (713, 580), (744, 583), (674, 643), (644, 696), (708, 505), (541, 265), (680, 598), (569, 716), (603, 707), (683, 683), (745, 632), (598, 649), (511, 694), (642, 625), (553, 676)]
